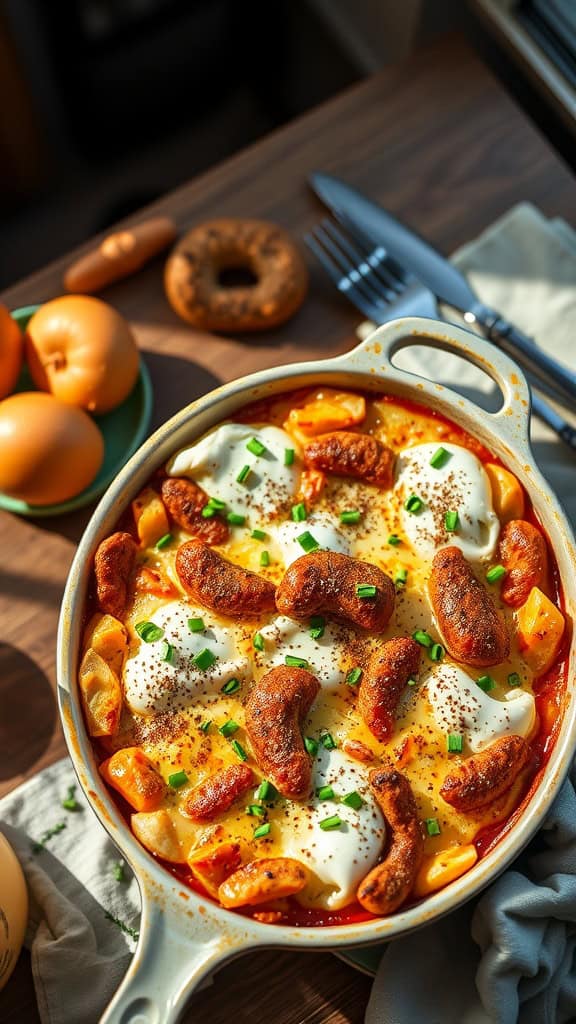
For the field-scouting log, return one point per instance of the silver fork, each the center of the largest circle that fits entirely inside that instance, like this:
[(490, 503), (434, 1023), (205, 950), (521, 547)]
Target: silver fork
[(383, 290)]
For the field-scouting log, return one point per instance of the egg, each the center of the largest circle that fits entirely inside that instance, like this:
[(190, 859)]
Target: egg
[(320, 526), (11, 352), (83, 352), (49, 451)]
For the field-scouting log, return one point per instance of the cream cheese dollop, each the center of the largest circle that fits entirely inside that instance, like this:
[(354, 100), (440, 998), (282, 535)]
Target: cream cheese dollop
[(459, 705), (338, 859), (216, 461), (321, 526), (152, 684), (460, 485)]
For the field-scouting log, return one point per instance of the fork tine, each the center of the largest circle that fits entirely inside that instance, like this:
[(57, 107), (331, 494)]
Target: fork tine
[(380, 289), (348, 264), (393, 273), (342, 281)]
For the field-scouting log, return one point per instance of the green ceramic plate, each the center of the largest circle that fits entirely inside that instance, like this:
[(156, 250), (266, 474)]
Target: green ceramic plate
[(124, 430), (365, 960)]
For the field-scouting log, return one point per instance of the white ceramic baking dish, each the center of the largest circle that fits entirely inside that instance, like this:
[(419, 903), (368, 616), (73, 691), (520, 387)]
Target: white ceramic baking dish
[(184, 937)]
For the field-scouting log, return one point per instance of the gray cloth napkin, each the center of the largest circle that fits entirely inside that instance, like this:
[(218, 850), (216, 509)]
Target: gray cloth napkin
[(509, 955)]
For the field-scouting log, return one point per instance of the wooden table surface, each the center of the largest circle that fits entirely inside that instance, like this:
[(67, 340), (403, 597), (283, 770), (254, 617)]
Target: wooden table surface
[(438, 142)]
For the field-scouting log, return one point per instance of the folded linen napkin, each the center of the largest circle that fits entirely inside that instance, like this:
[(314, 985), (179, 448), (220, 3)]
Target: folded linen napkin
[(82, 917), (509, 955)]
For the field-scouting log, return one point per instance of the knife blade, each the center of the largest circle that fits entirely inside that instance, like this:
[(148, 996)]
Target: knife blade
[(436, 272)]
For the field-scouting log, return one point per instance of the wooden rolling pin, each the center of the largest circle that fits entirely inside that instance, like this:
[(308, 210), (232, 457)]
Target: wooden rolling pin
[(119, 255)]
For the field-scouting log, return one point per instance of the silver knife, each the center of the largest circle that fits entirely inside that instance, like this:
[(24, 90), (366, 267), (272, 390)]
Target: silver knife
[(437, 273)]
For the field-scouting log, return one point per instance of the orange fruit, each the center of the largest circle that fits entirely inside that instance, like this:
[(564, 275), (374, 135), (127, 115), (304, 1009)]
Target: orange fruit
[(11, 352)]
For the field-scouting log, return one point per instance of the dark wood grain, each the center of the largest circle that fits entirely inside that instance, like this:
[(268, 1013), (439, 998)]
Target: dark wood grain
[(439, 143)]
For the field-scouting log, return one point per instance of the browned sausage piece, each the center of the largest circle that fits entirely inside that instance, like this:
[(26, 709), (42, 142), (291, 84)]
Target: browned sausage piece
[(389, 884), (217, 793), (217, 584), (184, 501), (523, 553), (484, 777), (113, 565), (347, 454), (383, 680), (276, 708), (326, 581), (470, 625)]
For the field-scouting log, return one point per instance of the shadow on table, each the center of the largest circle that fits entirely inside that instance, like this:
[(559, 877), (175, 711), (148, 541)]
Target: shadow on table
[(23, 737)]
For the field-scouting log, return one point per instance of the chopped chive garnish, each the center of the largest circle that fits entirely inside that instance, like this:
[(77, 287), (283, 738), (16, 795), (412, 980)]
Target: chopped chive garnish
[(293, 662), (454, 743), (205, 726), (256, 447), (317, 627), (204, 659), (436, 652), (217, 504), (394, 540), (243, 474), (288, 456), (229, 728), (354, 676), (177, 779), (411, 681), (440, 458), (327, 740), (239, 750), (167, 652), (432, 826), (235, 519), (232, 686), (364, 590), (307, 542), (258, 642), (401, 577), (325, 793), (485, 683), (164, 541), (514, 679), (70, 802), (311, 745), (423, 638), (414, 504), (256, 811), (266, 791), (196, 625), (208, 511), (264, 558), (353, 800), (331, 823), (148, 632), (259, 535), (495, 573), (451, 521), (298, 512), (118, 871), (262, 830), (350, 515)]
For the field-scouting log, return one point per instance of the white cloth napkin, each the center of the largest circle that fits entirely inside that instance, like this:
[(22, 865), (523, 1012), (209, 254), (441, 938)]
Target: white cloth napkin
[(519, 946), (509, 955)]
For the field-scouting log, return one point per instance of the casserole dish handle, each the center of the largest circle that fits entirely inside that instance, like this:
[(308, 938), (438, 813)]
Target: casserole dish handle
[(178, 948), (511, 421)]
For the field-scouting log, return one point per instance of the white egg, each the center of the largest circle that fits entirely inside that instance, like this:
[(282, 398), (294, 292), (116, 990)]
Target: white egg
[(459, 705), (321, 526), (325, 656), (153, 684), (218, 459), (459, 485), (339, 859)]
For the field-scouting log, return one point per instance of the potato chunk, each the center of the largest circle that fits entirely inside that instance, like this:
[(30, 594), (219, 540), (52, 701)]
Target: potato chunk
[(212, 867), (107, 636), (507, 493), (101, 694), (324, 411), (164, 833), (540, 627), (134, 776), (150, 517), (442, 868)]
